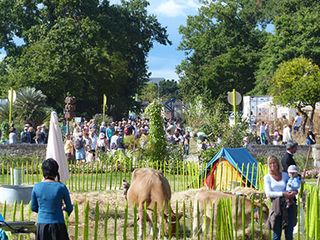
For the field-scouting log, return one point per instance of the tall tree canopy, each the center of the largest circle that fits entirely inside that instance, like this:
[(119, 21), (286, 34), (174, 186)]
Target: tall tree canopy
[(297, 83), (297, 32), (87, 48), (223, 47)]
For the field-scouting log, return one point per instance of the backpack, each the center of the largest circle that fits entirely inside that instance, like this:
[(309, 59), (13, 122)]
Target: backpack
[(24, 137), (79, 144)]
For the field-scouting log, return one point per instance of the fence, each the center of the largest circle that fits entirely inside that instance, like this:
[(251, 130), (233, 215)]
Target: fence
[(108, 173), (91, 220), (95, 221)]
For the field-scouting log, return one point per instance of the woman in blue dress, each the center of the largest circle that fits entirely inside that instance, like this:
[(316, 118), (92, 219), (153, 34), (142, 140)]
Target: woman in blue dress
[(49, 199)]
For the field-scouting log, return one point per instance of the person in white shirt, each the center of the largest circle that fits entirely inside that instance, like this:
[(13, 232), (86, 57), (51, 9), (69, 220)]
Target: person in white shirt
[(286, 134), (12, 136), (275, 183), (114, 140)]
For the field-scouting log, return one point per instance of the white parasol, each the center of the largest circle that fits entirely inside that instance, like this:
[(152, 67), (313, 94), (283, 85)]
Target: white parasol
[(55, 147)]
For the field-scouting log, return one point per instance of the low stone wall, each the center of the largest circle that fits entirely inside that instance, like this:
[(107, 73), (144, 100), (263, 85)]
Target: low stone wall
[(40, 150), (24, 150), (277, 150)]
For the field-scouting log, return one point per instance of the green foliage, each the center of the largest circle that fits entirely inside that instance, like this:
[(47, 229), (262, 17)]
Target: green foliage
[(29, 107), (157, 144), (88, 48), (297, 83), (211, 117), (222, 44), (149, 92), (296, 35), (168, 89)]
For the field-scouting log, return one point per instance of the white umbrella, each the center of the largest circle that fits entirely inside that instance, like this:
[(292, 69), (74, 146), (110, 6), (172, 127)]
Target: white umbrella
[(55, 147)]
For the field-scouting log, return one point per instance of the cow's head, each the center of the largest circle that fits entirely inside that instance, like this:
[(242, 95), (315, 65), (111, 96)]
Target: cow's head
[(174, 224)]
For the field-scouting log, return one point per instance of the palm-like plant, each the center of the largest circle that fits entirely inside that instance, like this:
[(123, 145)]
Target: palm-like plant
[(4, 112), (30, 106)]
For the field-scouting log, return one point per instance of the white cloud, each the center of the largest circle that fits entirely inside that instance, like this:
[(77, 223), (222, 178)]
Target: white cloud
[(164, 73), (2, 55), (176, 8)]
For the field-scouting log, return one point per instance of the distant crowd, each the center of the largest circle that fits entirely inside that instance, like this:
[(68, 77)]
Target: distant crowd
[(28, 135), (88, 138), (282, 136)]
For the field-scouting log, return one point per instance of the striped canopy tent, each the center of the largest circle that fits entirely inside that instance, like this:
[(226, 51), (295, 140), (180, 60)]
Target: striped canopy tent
[(231, 167)]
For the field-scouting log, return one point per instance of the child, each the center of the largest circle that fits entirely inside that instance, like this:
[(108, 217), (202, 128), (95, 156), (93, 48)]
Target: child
[(47, 200), (293, 183)]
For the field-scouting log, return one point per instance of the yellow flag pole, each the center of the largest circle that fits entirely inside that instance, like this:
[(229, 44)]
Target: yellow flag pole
[(10, 106), (104, 107), (234, 106)]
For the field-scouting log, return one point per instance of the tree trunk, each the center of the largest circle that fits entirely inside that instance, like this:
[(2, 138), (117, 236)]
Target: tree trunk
[(305, 119), (312, 116)]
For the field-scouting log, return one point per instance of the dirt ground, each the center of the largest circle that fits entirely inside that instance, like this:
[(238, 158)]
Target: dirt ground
[(113, 225)]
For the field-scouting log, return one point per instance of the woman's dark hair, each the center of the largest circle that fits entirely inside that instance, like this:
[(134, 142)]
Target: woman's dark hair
[(50, 168)]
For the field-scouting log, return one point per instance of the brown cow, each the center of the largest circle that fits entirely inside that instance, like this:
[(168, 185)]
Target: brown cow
[(149, 186), (206, 198)]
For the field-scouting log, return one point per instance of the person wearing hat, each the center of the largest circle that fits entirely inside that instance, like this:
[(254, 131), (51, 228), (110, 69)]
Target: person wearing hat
[(293, 183), (287, 159)]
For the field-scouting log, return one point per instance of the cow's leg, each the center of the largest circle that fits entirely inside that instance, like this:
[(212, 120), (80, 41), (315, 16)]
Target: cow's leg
[(196, 221), (150, 221), (140, 223)]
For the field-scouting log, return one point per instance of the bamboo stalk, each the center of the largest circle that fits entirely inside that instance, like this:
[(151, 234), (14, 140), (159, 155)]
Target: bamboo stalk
[(96, 221), (154, 227), (243, 218), (4, 210), (86, 222), (252, 217), (14, 211), (184, 220), (76, 222), (125, 222), (105, 230), (177, 222), (115, 223), (135, 225)]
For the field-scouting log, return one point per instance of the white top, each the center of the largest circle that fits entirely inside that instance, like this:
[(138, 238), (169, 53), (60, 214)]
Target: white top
[(12, 138), (114, 140), (275, 188), (286, 135), (262, 129)]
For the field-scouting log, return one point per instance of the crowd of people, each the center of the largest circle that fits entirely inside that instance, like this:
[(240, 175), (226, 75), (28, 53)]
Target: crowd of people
[(29, 135), (88, 138), (287, 133)]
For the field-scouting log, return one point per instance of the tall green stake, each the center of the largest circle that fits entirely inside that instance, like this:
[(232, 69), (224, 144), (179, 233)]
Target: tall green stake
[(234, 106)]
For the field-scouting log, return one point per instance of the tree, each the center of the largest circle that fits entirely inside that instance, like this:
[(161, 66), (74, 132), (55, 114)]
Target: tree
[(149, 92), (222, 45), (157, 143), (296, 34), (168, 89), (297, 83), (88, 48)]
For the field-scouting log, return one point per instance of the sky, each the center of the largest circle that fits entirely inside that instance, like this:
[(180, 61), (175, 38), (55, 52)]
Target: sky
[(162, 60)]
